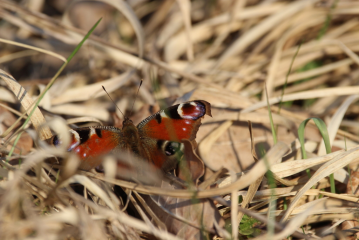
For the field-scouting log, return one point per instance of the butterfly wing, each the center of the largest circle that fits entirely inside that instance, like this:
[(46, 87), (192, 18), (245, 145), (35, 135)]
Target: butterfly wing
[(162, 133), (90, 143), (175, 123)]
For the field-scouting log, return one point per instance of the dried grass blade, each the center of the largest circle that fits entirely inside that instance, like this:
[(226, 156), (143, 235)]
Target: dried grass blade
[(314, 72), (291, 227), (6, 96), (83, 119), (185, 7), (335, 91), (91, 186), (149, 211), (21, 54), (328, 168), (266, 25), (334, 124), (125, 219), (93, 90), (33, 48), (82, 110), (203, 31), (126, 10), (234, 209), (249, 196)]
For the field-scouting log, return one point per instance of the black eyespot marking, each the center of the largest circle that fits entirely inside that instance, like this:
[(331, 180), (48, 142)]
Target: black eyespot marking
[(158, 118), (168, 148), (172, 112), (171, 148), (55, 140), (98, 132), (84, 135)]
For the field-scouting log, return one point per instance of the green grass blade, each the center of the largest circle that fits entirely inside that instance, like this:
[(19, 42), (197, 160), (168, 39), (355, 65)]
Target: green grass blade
[(272, 186), (287, 76), (324, 132), (328, 19)]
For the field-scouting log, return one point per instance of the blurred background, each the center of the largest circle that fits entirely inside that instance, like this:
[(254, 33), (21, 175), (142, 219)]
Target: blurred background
[(222, 51), (302, 55)]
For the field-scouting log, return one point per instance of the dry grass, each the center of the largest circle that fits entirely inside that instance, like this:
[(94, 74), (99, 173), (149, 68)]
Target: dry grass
[(222, 51)]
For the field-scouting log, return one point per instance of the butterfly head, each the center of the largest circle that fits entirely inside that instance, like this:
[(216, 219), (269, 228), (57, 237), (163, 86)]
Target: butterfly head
[(127, 122)]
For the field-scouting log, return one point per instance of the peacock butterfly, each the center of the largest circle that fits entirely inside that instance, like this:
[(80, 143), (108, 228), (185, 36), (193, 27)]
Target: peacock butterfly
[(156, 139)]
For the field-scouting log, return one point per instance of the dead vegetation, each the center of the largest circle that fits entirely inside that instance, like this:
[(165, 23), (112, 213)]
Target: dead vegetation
[(227, 52)]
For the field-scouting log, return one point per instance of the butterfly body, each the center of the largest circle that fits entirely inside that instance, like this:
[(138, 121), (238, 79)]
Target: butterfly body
[(156, 139)]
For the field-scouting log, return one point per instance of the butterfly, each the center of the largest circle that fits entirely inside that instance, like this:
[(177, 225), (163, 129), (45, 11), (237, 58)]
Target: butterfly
[(156, 139)]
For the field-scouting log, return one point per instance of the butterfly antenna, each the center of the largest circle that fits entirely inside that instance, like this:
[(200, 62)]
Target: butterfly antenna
[(133, 104), (113, 102)]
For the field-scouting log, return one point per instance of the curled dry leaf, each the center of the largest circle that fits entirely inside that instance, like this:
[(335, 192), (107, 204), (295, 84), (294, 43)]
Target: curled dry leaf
[(206, 144), (191, 167)]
